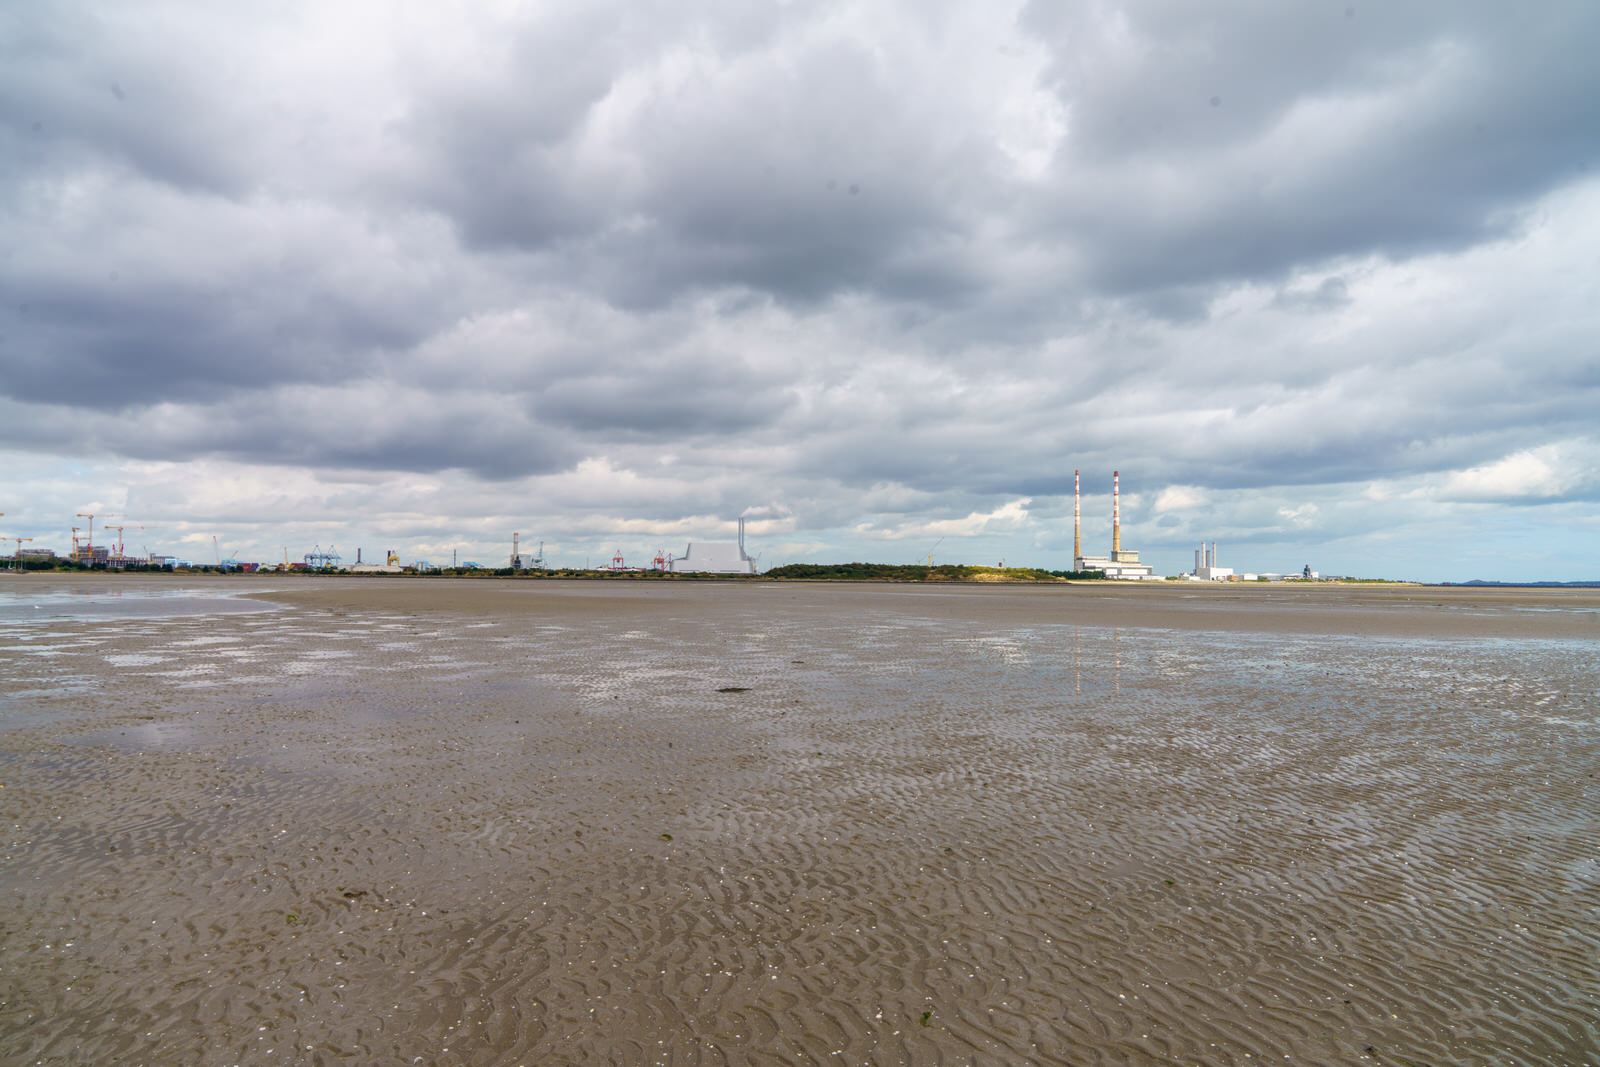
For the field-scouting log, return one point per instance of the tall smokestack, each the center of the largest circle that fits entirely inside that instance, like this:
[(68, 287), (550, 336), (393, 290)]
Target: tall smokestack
[(1116, 513), (1077, 525), (741, 538)]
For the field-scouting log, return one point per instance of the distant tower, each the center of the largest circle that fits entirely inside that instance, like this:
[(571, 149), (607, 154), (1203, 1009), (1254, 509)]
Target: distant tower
[(1077, 525), (516, 554), (1116, 513)]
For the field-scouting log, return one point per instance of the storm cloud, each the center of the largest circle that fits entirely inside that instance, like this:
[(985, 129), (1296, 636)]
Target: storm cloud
[(1318, 279)]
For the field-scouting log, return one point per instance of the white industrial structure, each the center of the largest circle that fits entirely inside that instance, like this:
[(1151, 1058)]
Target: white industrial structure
[(714, 557), (1205, 565), (1123, 563)]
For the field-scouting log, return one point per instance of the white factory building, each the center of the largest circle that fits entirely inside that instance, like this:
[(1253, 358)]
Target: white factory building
[(714, 557), (1205, 565), (1123, 563)]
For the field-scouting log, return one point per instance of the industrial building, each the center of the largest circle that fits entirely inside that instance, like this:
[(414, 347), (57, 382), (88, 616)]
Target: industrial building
[(519, 562), (1123, 563), (1205, 565), (714, 557)]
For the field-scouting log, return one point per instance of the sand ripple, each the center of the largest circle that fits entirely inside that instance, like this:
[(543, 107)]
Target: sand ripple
[(823, 830)]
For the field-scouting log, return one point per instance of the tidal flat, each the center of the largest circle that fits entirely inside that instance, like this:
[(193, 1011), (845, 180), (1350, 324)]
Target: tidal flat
[(498, 822)]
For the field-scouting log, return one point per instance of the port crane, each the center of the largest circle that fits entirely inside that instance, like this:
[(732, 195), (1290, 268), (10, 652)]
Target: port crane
[(318, 559)]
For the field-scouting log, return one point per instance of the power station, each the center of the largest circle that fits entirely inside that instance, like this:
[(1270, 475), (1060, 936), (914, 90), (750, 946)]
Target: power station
[(713, 557), (1123, 563)]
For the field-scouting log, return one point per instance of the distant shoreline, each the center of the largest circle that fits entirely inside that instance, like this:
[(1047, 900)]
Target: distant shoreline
[(906, 574)]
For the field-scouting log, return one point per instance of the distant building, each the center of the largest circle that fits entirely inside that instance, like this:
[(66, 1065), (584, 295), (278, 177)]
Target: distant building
[(714, 557), (1123, 563), (1205, 565)]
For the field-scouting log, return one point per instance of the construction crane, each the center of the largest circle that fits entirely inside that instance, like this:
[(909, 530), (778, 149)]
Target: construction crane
[(18, 555), (122, 548), (936, 544), (107, 526), (89, 545)]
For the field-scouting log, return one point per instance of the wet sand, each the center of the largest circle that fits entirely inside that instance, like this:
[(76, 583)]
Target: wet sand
[(398, 821)]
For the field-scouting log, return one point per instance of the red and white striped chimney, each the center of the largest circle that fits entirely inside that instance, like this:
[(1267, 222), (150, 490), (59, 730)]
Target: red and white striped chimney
[(1077, 528), (1116, 513)]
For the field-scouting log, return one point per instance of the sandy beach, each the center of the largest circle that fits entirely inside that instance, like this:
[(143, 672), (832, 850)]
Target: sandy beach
[(499, 822)]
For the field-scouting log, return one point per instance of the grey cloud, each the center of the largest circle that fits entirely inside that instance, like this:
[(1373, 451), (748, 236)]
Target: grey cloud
[(1330, 294), (310, 427), (1158, 189), (799, 173), (116, 342), (663, 397), (107, 88)]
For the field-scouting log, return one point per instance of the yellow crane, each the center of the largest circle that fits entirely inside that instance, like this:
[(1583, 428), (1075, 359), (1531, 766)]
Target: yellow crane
[(88, 545), (122, 549), (18, 555)]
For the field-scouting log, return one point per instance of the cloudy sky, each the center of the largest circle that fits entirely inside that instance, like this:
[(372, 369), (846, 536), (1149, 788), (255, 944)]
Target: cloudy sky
[(1320, 279)]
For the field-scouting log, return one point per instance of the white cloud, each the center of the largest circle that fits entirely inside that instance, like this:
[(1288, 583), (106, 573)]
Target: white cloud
[(1302, 517), (1547, 472), (1178, 498), (1008, 517)]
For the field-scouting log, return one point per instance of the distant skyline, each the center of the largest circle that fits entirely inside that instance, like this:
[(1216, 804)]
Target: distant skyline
[(1319, 279)]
